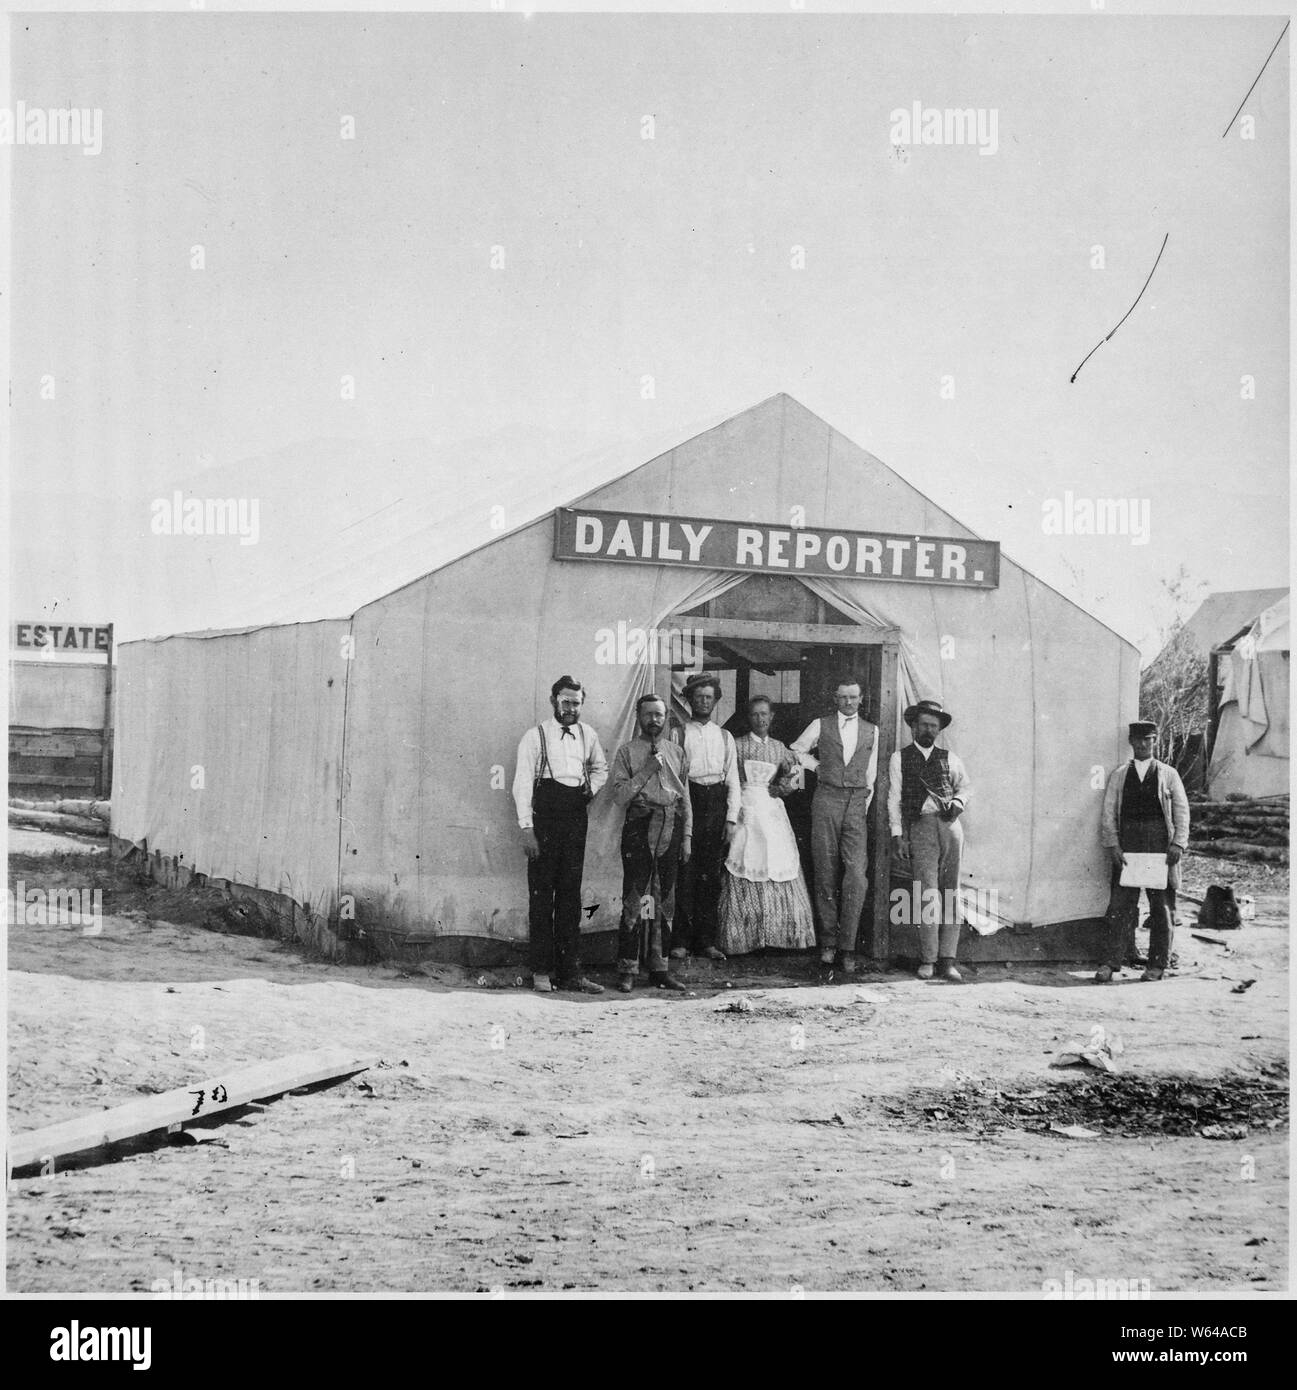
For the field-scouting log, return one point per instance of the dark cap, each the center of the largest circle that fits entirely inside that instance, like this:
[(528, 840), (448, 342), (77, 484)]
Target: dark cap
[(928, 707), (1141, 728)]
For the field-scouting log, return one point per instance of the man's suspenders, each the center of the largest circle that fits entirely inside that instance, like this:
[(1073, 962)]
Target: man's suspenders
[(543, 772)]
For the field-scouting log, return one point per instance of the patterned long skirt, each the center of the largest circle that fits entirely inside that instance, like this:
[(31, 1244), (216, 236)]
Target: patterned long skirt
[(754, 915)]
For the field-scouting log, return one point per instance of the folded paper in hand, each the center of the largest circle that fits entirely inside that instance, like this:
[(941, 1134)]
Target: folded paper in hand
[(1144, 871)]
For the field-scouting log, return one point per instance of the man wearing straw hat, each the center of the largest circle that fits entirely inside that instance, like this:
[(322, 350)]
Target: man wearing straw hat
[(927, 790), (1145, 811)]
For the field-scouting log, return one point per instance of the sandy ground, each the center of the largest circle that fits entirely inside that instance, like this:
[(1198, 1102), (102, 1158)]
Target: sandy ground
[(505, 1141)]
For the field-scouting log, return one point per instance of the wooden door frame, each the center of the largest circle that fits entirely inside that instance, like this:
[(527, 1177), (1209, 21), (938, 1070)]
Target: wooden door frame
[(846, 635)]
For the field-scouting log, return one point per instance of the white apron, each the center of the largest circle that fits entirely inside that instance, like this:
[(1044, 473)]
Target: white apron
[(763, 847)]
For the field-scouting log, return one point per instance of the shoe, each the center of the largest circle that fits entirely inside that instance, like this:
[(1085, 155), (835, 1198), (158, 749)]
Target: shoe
[(1103, 975), (1152, 973), (625, 983), (581, 986), (664, 981), (541, 984), (948, 971), (713, 953), (679, 953), (925, 972), (849, 963), (826, 956)]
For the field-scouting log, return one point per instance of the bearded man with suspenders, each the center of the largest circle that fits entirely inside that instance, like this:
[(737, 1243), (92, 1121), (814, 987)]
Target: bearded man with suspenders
[(560, 769)]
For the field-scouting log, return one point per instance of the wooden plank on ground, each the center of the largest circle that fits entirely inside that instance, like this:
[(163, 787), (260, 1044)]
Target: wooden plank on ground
[(152, 1113)]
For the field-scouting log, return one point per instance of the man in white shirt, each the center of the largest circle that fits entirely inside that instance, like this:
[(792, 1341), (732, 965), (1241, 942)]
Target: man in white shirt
[(1145, 811), (842, 749), (561, 767), (715, 795), (927, 790)]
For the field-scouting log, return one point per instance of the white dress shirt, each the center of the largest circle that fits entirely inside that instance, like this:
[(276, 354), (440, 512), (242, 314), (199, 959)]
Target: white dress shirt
[(1142, 767), (849, 733), (960, 788), (570, 751), (712, 759)]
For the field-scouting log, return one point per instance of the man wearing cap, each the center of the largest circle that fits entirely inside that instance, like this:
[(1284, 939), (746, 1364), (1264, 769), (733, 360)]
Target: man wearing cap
[(927, 790), (560, 768), (650, 779), (842, 749), (715, 795), (1145, 811)]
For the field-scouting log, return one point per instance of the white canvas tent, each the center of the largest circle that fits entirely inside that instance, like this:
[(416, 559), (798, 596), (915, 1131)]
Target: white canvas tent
[(1250, 753), (364, 762)]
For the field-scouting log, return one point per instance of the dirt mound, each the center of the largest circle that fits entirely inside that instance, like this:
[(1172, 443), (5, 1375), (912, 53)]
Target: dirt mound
[(129, 892), (1129, 1106)]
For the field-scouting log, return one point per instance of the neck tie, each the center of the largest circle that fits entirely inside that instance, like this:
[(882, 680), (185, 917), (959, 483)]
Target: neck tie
[(567, 732)]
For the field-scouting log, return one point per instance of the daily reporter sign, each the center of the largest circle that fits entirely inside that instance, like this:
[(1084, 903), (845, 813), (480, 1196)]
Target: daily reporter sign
[(698, 543)]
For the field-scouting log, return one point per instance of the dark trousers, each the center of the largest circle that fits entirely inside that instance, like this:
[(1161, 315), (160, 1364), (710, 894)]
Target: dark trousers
[(702, 876), (650, 859), (1123, 918), (1141, 837), (554, 880)]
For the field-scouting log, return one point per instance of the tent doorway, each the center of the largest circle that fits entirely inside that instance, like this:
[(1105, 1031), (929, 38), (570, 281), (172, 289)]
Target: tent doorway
[(771, 636)]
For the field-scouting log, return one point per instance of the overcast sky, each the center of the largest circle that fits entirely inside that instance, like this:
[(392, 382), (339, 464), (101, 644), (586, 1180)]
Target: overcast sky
[(626, 257)]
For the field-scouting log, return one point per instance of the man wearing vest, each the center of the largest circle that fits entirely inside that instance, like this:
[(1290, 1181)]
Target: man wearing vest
[(560, 768), (927, 790), (1145, 811), (843, 750)]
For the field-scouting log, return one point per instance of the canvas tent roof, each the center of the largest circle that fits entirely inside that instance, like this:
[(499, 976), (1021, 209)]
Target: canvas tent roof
[(479, 492), (1223, 615), (381, 553)]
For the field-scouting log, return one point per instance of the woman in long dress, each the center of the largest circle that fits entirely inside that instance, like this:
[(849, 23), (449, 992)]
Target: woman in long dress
[(764, 901)]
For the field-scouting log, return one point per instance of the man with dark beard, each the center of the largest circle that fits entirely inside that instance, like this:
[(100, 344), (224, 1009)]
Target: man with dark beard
[(560, 769), (927, 790), (650, 779)]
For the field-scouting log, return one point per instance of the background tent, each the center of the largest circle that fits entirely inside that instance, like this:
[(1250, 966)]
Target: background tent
[(1250, 752)]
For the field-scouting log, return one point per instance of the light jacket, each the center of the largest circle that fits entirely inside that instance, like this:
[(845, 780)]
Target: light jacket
[(1170, 794)]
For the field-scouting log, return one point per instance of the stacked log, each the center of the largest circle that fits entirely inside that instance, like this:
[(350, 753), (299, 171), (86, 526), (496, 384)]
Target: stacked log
[(100, 809), (1241, 827), (53, 820)]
